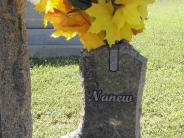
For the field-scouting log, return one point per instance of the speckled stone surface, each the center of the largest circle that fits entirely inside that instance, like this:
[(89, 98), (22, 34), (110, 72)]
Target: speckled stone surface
[(111, 99)]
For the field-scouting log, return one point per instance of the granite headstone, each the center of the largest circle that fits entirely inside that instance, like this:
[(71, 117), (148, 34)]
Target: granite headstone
[(112, 82)]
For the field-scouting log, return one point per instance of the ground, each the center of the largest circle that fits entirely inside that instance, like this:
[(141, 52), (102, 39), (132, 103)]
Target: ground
[(56, 92)]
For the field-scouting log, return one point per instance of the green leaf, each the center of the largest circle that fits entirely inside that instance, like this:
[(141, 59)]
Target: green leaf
[(81, 4)]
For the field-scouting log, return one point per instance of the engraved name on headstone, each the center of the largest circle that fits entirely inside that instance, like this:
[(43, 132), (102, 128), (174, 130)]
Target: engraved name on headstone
[(98, 96)]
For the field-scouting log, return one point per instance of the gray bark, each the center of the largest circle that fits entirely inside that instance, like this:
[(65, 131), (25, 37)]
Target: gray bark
[(15, 92)]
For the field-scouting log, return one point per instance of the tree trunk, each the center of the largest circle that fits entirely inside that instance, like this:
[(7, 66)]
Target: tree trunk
[(15, 92)]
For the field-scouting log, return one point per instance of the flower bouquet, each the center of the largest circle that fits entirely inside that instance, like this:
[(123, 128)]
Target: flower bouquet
[(96, 22)]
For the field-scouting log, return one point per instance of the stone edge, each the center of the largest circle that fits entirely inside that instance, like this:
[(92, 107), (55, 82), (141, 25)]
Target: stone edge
[(45, 51)]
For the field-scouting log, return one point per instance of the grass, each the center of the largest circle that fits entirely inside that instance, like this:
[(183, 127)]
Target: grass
[(56, 99)]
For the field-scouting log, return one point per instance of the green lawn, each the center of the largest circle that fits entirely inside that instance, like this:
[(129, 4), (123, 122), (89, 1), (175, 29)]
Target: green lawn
[(56, 99)]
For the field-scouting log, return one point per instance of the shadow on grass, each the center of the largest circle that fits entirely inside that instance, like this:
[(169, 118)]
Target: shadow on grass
[(55, 62)]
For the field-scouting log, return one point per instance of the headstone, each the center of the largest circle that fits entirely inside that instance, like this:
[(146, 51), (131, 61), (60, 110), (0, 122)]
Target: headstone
[(112, 81)]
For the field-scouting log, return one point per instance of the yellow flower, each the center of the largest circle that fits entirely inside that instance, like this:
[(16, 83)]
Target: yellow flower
[(46, 5), (118, 23), (105, 20), (91, 41), (68, 25)]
